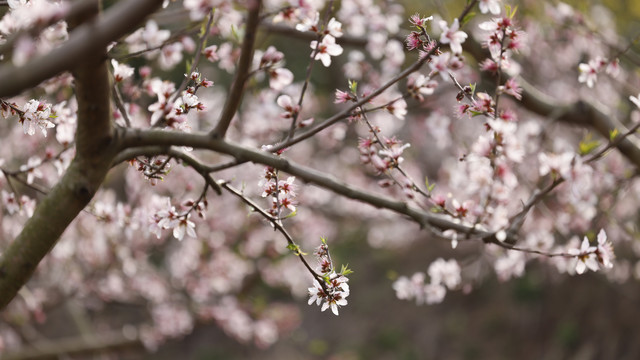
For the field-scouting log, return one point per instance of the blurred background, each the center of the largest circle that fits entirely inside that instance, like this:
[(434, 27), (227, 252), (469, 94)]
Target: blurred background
[(542, 315)]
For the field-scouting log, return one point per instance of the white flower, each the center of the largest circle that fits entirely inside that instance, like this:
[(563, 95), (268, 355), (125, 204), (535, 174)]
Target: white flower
[(326, 49), (492, 6), (36, 113), (635, 100), (445, 272), (334, 27), (451, 36), (604, 250), (32, 169), (280, 78), (585, 257), (589, 72), (184, 226), (434, 293), (309, 23), (337, 290), (121, 71), (407, 289), (398, 108)]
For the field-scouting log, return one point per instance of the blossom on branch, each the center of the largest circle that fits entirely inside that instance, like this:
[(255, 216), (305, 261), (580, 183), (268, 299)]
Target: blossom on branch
[(326, 49), (452, 36)]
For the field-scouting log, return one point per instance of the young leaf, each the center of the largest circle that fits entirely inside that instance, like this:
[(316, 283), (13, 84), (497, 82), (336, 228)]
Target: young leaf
[(613, 134), (587, 145)]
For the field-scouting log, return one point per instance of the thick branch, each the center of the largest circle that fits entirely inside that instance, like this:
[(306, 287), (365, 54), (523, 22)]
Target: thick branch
[(96, 146), (87, 39), (246, 57), (75, 346)]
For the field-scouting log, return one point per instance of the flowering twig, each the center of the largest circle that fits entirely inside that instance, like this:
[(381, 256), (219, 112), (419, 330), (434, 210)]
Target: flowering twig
[(277, 224), (196, 58), (314, 52)]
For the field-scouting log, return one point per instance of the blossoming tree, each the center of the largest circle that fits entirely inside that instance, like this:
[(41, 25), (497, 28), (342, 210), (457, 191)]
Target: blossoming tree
[(130, 165)]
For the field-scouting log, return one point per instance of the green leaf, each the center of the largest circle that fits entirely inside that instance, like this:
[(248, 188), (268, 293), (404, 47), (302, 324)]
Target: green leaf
[(293, 247), (613, 134), (353, 86), (203, 28), (291, 215), (468, 17), (587, 145), (513, 13), (234, 33), (345, 270), (431, 187)]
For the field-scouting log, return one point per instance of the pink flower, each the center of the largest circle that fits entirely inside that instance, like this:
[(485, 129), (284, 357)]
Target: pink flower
[(291, 109), (210, 53), (452, 36), (416, 20), (342, 97), (413, 41), (440, 64), (512, 88), (326, 49)]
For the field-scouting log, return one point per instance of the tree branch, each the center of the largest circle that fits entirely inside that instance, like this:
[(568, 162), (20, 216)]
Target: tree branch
[(75, 346), (87, 39), (96, 146), (246, 57), (157, 140)]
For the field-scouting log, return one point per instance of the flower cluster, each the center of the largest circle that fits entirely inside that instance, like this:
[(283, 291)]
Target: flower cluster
[(443, 274), (334, 290), (170, 218), (589, 71), (387, 158), (153, 169), (282, 193), (419, 86), (592, 257), (36, 114), (271, 62), (502, 39)]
